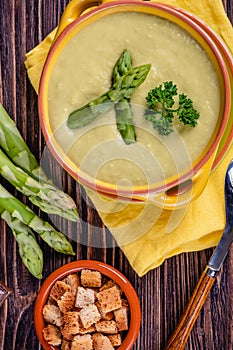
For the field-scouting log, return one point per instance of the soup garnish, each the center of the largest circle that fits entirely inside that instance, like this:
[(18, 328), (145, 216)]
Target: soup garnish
[(160, 101), (125, 80)]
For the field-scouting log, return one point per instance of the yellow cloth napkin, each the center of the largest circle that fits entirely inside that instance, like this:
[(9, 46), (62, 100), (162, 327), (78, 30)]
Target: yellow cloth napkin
[(146, 234)]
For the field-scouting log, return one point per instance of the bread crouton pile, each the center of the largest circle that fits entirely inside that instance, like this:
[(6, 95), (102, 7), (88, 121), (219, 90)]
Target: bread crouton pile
[(86, 311)]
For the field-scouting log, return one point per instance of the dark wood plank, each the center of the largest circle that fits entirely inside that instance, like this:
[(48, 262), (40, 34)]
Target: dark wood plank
[(163, 292)]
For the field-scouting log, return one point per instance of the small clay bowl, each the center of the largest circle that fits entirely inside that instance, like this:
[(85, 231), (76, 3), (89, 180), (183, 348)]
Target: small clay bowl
[(104, 269)]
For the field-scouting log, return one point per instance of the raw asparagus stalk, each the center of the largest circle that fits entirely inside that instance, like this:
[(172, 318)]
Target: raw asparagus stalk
[(45, 195), (16, 148), (122, 88), (123, 111), (29, 249), (17, 209)]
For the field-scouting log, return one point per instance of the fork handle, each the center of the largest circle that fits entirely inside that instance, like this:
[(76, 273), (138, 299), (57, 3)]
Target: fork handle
[(180, 336)]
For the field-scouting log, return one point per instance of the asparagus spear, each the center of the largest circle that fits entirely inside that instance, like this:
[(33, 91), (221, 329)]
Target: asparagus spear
[(12, 142), (17, 209), (125, 86), (86, 114), (123, 111), (17, 150), (45, 195), (122, 88), (29, 249), (122, 66), (124, 121)]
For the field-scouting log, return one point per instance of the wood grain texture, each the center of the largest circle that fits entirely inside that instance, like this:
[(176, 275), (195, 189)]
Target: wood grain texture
[(163, 292), (180, 336)]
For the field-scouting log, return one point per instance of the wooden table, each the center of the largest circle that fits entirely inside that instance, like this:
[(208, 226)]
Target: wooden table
[(164, 291)]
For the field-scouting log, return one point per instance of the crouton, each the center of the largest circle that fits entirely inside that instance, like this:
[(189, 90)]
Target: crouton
[(108, 284), (125, 303), (52, 335), (65, 345), (66, 335), (66, 302), (86, 311), (107, 327), (109, 299), (52, 314), (91, 278), (101, 342), (51, 301), (58, 289), (89, 315), (83, 330), (82, 342), (104, 316), (73, 281), (115, 339), (84, 297), (121, 317), (70, 324)]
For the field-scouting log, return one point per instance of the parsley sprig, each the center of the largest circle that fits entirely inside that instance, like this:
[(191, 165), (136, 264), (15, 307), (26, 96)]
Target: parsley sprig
[(160, 101)]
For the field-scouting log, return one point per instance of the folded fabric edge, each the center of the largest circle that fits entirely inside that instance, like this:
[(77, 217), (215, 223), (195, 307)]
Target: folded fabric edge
[(206, 242)]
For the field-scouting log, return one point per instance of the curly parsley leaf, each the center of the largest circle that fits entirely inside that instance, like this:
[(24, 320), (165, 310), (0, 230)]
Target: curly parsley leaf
[(160, 113)]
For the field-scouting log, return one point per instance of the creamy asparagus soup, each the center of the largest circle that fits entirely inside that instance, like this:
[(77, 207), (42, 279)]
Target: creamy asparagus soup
[(83, 72)]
